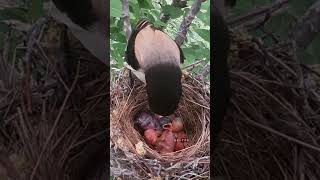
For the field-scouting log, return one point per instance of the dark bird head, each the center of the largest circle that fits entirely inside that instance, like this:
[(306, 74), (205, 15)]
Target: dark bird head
[(164, 88)]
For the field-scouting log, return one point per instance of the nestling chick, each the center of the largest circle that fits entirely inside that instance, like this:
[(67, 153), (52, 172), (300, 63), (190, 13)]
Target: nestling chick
[(165, 143), (180, 140), (151, 136), (146, 121), (177, 125)]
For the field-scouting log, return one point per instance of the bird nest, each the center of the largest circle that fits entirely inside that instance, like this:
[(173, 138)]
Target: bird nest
[(193, 108), (272, 123)]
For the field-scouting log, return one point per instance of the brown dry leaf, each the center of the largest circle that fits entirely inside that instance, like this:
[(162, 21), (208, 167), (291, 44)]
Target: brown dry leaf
[(140, 148), (120, 143), (114, 113), (155, 178), (185, 74)]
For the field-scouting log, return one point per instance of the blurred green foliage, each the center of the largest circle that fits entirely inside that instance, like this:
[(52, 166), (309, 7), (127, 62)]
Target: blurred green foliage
[(26, 11), (281, 23), (197, 44)]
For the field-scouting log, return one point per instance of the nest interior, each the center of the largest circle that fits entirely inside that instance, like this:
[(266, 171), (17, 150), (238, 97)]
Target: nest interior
[(53, 108), (193, 108)]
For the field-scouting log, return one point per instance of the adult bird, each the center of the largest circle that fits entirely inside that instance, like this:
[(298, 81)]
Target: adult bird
[(155, 59), (87, 20), (221, 80)]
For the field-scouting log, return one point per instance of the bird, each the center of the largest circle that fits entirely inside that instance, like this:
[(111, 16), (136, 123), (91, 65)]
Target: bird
[(181, 140), (155, 59), (145, 121), (165, 143), (221, 78), (88, 21)]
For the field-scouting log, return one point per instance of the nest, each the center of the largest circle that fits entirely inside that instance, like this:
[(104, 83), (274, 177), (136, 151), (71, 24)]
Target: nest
[(193, 108), (272, 126), (53, 107)]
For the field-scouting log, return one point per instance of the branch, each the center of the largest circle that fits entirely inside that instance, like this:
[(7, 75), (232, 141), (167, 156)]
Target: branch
[(181, 34), (307, 27), (126, 18), (258, 13)]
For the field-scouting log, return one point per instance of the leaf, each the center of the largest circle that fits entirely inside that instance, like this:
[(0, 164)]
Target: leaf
[(204, 17), (115, 8), (134, 9), (159, 23), (281, 23), (312, 53), (204, 33), (36, 10), (298, 7), (14, 13), (145, 4), (172, 11)]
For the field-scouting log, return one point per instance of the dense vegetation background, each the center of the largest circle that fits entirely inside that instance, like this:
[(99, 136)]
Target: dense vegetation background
[(17, 15), (280, 24), (197, 44)]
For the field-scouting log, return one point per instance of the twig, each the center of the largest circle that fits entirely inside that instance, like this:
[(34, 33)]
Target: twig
[(51, 63), (257, 13), (56, 122), (181, 34), (272, 57), (193, 64), (273, 131), (126, 18), (206, 70), (89, 138)]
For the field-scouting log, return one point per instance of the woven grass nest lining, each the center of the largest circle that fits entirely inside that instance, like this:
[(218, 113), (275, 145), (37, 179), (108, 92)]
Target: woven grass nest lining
[(193, 109)]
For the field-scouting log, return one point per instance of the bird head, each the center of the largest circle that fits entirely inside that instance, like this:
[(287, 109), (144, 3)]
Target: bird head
[(164, 88)]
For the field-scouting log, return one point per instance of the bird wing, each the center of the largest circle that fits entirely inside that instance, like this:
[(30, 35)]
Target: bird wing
[(130, 53)]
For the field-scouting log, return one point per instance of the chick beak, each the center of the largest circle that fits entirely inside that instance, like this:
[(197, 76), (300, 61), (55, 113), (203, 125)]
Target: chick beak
[(165, 122)]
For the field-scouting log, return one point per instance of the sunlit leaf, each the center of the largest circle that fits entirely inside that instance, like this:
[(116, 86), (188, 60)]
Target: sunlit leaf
[(115, 8)]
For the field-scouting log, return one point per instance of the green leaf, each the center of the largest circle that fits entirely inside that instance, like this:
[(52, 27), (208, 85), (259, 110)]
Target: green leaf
[(204, 17), (172, 11), (312, 53), (159, 23), (115, 8), (298, 7), (14, 13), (204, 33), (134, 9), (36, 10), (145, 4), (281, 23)]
